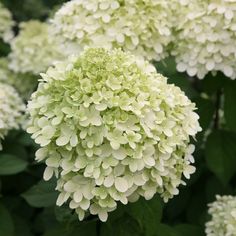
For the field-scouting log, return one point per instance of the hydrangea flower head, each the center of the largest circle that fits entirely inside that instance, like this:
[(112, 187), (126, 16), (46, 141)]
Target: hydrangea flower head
[(206, 37), (6, 25), (223, 213), (33, 50), (11, 109), (111, 129), (25, 84), (142, 27)]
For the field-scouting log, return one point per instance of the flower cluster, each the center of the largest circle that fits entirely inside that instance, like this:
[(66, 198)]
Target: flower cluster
[(33, 50), (142, 27), (223, 212), (111, 129), (11, 109), (6, 25), (206, 37), (25, 84)]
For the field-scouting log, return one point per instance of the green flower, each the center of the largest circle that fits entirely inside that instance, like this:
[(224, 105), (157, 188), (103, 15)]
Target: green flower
[(110, 143)]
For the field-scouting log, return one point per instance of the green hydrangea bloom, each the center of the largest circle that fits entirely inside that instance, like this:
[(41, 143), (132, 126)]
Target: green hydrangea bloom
[(25, 84), (111, 129), (206, 37), (223, 217), (142, 27), (33, 50), (6, 24), (11, 110)]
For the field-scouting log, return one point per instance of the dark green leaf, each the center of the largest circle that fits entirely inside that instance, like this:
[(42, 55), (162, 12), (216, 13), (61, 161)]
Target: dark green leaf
[(6, 222), (43, 194), (205, 111), (84, 228), (65, 214), (230, 105), (177, 205), (165, 230), (147, 213), (166, 67), (22, 227), (185, 229), (211, 84), (10, 164), (78, 229), (221, 154), (214, 187), (124, 226), (196, 209)]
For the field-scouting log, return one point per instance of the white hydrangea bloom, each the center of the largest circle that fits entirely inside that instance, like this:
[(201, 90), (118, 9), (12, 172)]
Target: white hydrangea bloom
[(33, 50), (11, 109), (25, 84), (6, 24), (206, 37), (111, 129), (142, 27), (223, 213)]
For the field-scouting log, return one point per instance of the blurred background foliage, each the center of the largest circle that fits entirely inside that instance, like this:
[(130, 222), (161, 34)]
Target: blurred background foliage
[(27, 203)]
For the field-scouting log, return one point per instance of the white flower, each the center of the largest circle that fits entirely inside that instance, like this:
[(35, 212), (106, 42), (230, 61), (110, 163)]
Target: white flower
[(109, 143), (33, 50), (6, 24), (223, 217), (206, 37), (25, 84), (143, 27), (11, 109)]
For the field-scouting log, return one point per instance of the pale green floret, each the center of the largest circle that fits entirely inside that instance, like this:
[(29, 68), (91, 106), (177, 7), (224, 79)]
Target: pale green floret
[(6, 24), (111, 129), (11, 110), (206, 37), (33, 50), (223, 217), (25, 84), (140, 26)]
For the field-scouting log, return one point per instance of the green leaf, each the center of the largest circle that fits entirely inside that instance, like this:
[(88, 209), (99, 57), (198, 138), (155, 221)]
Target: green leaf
[(84, 229), (205, 111), (22, 227), (220, 154), (178, 204), (229, 105), (124, 226), (6, 222), (196, 210), (211, 84), (185, 229), (10, 164), (43, 194), (166, 67), (147, 213), (214, 187), (78, 229), (65, 214), (166, 230)]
